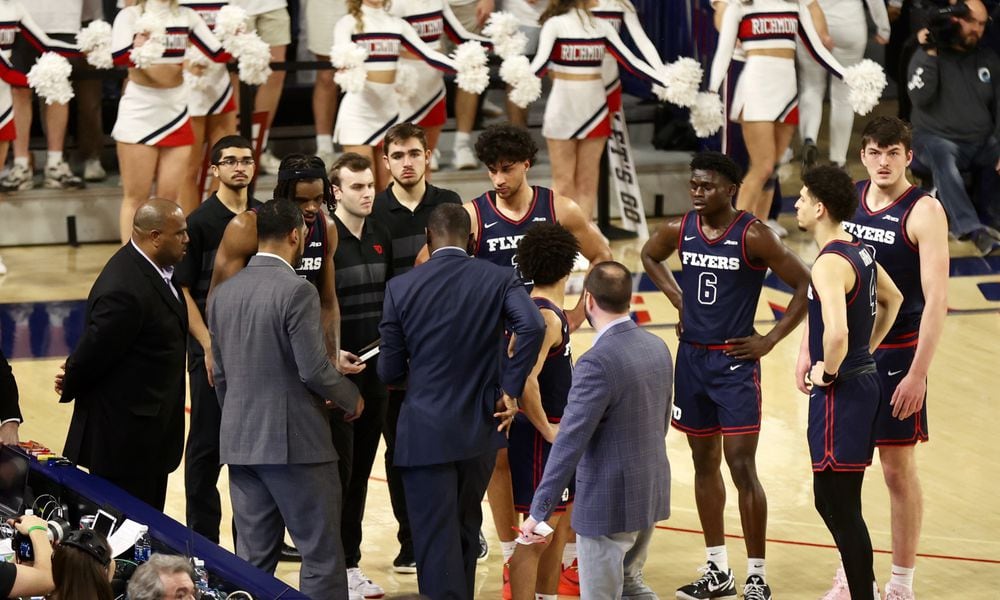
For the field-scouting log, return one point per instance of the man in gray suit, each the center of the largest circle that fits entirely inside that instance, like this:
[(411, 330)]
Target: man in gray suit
[(275, 383), (612, 433)]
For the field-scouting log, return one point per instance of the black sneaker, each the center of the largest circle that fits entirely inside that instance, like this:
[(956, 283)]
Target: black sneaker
[(404, 564), (810, 155), (712, 584), (756, 589), (484, 549)]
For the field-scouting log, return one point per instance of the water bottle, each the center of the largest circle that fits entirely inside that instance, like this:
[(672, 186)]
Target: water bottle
[(142, 546), (201, 576)]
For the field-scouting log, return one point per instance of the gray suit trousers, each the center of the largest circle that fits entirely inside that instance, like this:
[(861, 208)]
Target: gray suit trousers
[(611, 565), (305, 499)]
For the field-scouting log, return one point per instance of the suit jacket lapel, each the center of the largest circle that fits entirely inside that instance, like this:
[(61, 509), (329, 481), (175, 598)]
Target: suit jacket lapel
[(160, 285)]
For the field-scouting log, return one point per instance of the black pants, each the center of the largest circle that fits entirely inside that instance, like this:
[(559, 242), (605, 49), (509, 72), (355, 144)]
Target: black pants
[(367, 432), (151, 488), (838, 501), (201, 456), (397, 495)]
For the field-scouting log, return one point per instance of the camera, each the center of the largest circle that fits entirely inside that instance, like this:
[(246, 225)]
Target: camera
[(23, 549), (943, 29)]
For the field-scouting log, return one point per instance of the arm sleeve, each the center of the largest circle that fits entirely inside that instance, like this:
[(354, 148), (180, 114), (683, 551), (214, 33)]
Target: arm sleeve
[(546, 43), (9, 407), (218, 367), (305, 335), (342, 31), (42, 42), (457, 32), (880, 16), (649, 52), (392, 360), (122, 34), (625, 57), (112, 327), (526, 322), (726, 45), (922, 78), (430, 56), (203, 38), (810, 37)]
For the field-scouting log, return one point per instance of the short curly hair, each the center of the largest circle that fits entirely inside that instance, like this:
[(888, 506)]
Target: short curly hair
[(718, 162), (834, 188), (505, 142), (546, 253)]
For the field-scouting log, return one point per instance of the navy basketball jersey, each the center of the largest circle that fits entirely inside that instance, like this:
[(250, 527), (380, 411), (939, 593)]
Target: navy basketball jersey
[(884, 232), (497, 236), (720, 286), (861, 306), (556, 375), (315, 250)]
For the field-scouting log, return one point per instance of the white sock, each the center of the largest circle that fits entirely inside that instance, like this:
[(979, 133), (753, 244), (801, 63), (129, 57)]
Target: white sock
[(718, 556), (22, 161), (462, 139), (53, 158), (546, 596), (755, 566), (508, 549), (324, 143), (902, 576), (569, 554)]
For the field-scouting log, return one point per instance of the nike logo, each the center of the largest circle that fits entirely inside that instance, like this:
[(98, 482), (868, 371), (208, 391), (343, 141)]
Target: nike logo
[(736, 366), (894, 373), (730, 243), (688, 238), (539, 219), (488, 225)]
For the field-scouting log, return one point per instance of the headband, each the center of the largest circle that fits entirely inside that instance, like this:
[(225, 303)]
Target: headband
[(88, 542), (290, 174)]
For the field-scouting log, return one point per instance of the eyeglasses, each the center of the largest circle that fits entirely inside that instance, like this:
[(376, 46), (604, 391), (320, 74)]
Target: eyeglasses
[(230, 161)]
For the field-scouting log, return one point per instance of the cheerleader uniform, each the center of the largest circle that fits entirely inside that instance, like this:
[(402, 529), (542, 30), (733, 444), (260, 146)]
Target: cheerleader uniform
[(431, 19), (14, 20), (213, 95), (618, 13), (767, 89), (364, 117), (577, 42), (159, 116)]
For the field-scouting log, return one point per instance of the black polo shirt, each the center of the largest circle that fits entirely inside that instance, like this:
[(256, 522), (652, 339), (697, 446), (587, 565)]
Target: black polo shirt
[(408, 228), (206, 225), (361, 268)]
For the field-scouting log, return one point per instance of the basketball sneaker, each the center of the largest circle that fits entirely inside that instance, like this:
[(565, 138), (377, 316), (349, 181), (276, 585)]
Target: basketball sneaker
[(358, 583), (58, 176), (756, 589), (464, 159), (484, 548), (18, 178), (839, 591), (569, 580), (93, 170), (712, 584), (810, 155), (898, 592), (404, 563)]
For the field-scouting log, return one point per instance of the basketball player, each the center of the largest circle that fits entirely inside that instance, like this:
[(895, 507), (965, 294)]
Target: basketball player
[(232, 165), (545, 256), (725, 254), (404, 207), (907, 230), (852, 305)]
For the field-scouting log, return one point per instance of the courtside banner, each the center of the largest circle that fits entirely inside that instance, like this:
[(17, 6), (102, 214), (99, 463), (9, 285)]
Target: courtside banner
[(626, 181)]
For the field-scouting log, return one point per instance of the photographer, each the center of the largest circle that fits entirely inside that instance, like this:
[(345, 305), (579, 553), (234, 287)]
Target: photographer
[(82, 568), (954, 85), (23, 580)]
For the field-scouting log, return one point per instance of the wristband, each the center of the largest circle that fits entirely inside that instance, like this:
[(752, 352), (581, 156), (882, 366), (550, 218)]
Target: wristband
[(829, 377), (38, 528)]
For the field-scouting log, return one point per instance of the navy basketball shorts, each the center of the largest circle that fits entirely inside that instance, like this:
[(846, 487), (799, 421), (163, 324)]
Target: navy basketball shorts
[(842, 423), (528, 452), (893, 364), (715, 393)]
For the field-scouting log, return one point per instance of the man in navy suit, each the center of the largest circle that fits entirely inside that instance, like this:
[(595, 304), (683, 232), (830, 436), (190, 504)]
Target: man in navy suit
[(612, 434), (459, 385)]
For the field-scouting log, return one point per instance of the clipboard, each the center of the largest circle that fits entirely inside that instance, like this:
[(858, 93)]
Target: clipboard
[(370, 351)]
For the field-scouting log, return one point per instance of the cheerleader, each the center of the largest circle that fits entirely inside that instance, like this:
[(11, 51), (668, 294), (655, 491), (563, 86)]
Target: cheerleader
[(766, 98), (15, 21), (153, 131), (849, 31), (618, 13), (572, 46), (364, 116), (426, 106), (211, 104)]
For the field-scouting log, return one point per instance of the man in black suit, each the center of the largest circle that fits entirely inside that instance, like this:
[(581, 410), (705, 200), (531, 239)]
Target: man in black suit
[(127, 372), (447, 435), (10, 410)]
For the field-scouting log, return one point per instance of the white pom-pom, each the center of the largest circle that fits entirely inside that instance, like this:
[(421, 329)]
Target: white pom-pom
[(349, 59), (865, 82), (230, 21), (194, 69), (707, 115), (95, 41), (254, 56), (504, 31), (406, 81), (473, 70), (682, 78), (151, 25), (525, 87), (49, 77)]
